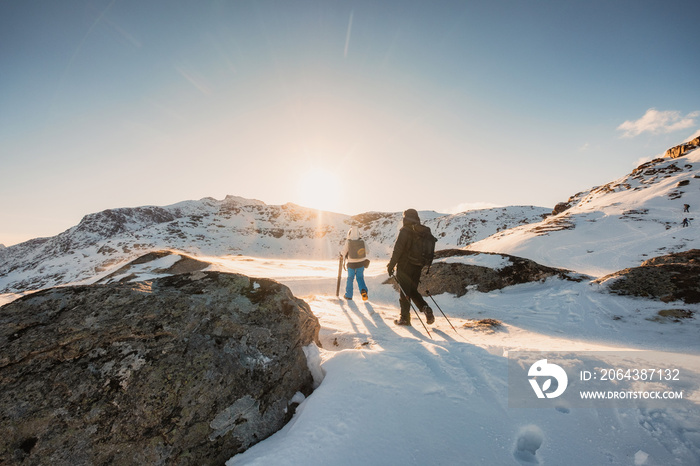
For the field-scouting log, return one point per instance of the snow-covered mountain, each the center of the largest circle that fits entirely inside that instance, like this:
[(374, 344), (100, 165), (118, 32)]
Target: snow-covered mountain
[(233, 226), (617, 225), (597, 232)]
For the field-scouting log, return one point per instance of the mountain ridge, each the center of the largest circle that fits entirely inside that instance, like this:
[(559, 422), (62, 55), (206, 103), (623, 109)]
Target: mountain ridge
[(234, 225), (597, 232)]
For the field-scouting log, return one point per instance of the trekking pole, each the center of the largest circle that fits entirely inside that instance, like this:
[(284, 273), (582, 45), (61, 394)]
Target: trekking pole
[(340, 273), (438, 306), (412, 307)]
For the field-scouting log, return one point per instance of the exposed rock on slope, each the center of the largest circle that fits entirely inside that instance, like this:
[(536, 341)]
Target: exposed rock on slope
[(667, 278), (457, 271), (682, 149), (187, 369)]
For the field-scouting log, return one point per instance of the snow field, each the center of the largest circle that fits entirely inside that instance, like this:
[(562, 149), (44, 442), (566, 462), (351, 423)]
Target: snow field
[(393, 396)]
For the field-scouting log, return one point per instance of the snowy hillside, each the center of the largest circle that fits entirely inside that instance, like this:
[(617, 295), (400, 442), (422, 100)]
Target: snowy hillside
[(232, 226), (617, 225)]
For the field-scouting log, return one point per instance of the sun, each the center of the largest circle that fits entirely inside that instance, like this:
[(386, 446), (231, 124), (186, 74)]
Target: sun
[(320, 189)]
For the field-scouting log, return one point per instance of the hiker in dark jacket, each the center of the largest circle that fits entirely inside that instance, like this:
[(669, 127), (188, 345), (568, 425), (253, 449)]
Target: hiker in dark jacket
[(407, 273)]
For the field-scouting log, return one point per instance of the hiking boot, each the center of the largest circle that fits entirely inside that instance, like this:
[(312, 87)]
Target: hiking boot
[(429, 317), (407, 323), (364, 295), (347, 297)]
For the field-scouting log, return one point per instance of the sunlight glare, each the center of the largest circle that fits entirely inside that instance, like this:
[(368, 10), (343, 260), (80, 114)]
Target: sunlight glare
[(320, 189)]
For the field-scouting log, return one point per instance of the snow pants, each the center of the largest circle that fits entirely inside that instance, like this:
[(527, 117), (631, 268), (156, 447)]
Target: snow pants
[(408, 277), (355, 274)]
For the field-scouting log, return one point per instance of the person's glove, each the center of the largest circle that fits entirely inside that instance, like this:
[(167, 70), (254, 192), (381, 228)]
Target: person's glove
[(390, 269)]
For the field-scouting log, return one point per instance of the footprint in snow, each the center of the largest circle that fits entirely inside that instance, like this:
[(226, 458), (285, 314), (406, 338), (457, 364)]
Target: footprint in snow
[(529, 440), (562, 408)]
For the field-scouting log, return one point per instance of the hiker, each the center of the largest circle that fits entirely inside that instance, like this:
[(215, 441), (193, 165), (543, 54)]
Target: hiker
[(686, 207), (408, 273), (355, 254), (685, 223)]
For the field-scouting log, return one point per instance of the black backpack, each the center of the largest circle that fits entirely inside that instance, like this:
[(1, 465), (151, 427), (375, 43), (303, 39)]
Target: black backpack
[(356, 249), (422, 250)]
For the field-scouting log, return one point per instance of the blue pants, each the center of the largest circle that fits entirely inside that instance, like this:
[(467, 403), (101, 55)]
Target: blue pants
[(358, 274)]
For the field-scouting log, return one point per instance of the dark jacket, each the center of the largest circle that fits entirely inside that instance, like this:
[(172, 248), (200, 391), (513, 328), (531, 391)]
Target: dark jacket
[(402, 247)]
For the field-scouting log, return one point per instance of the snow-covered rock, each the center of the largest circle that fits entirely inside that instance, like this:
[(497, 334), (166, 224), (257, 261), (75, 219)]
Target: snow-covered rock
[(458, 271), (153, 265)]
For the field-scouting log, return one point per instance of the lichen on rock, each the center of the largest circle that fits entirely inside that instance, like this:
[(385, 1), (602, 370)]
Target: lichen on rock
[(189, 368)]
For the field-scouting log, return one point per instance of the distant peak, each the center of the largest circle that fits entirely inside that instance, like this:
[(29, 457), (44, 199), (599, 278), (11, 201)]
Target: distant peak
[(229, 199)]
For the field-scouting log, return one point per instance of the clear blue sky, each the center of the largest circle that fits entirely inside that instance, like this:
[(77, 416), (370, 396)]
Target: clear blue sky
[(349, 106)]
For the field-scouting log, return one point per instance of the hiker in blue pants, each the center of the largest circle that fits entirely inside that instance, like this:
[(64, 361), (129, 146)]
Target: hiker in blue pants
[(355, 254)]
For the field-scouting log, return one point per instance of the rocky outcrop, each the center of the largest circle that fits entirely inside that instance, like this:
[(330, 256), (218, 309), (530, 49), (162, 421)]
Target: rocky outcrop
[(667, 278), (457, 271), (561, 207), (186, 369), (682, 149), (155, 264)]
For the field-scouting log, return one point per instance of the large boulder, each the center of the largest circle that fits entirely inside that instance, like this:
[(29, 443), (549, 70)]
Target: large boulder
[(667, 278), (186, 369), (457, 271)]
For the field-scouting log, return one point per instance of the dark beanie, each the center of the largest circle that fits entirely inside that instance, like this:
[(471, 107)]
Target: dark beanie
[(411, 216)]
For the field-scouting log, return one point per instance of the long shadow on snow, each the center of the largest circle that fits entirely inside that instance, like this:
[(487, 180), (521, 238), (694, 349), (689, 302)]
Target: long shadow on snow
[(375, 324)]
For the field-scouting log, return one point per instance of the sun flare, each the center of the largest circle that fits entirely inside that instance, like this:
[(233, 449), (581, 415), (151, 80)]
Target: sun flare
[(320, 189)]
